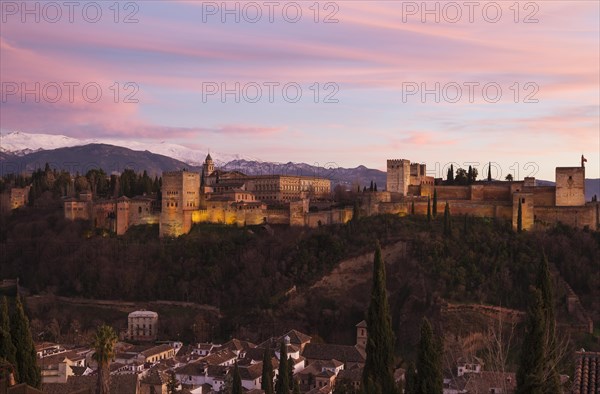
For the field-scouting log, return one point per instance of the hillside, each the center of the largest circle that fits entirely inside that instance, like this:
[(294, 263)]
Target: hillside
[(246, 272)]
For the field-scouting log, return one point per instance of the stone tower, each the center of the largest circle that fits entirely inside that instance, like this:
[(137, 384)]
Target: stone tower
[(208, 167), (398, 176), (527, 207), (361, 334), (570, 186), (180, 197)]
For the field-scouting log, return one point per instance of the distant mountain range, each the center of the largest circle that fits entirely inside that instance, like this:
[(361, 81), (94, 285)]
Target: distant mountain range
[(26, 152)]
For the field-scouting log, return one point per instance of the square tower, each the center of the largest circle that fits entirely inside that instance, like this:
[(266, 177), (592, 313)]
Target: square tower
[(398, 176), (570, 186), (180, 196)]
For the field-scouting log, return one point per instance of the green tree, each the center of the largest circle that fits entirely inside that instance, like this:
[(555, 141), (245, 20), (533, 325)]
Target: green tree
[(428, 209), (434, 208), (489, 177), (27, 367), (172, 383), (267, 373), (410, 380), (282, 386), (509, 177), (237, 381), (104, 351), (412, 208), (447, 221), (296, 387), (429, 362), (450, 174), (520, 218), (530, 375), (378, 373), (461, 177), (7, 348), (355, 211), (544, 284)]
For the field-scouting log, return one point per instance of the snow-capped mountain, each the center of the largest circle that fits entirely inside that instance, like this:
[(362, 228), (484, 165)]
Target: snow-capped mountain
[(19, 143)]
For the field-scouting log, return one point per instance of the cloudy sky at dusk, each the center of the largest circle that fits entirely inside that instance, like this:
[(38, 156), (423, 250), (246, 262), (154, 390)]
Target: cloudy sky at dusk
[(366, 70)]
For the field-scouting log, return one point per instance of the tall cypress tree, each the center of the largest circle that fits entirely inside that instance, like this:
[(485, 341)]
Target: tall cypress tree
[(489, 178), (27, 367), (410, 380), (412, 208), (7, 348), (470, 175), (530, 375), (428, 209), (520, 217), (544, 284), (296, 387), (447, 221), (237, 381), (429, 362), (282, 386), (378, 373), (434, 209), (267, 373)]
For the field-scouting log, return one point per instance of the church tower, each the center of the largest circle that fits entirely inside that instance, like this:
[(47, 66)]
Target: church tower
[(208, 167)]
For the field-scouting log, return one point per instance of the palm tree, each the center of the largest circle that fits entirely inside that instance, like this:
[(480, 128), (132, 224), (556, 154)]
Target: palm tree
[(104, 346)]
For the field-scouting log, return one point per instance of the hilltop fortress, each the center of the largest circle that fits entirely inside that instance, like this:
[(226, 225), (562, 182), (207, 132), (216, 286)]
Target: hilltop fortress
[(230, 197)]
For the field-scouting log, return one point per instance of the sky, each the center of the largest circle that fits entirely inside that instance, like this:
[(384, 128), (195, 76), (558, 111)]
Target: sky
[(515, 83)]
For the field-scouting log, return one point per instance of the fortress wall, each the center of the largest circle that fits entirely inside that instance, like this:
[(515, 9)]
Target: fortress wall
[(498, 192), (466, 207), (573, 216), (452, 192), (397, 208), (140, 212), (101, 212), (543, 196), (199, 216), (477, 193), (277, 216)]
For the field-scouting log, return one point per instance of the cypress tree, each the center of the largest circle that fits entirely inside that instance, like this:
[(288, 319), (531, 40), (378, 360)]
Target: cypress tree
[(282, 386), (489, 172), (429, 362), (520, 218), (530, 375), (434, 209), (237, 381), (296, 387), (378, 373), (412, 208), (7, 348), (447, 221), (172, 383), (375, 186), (26, 357), (371, 187), (410, 379), (544, 284), (428, 209), (470, 175), (267, 373)]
